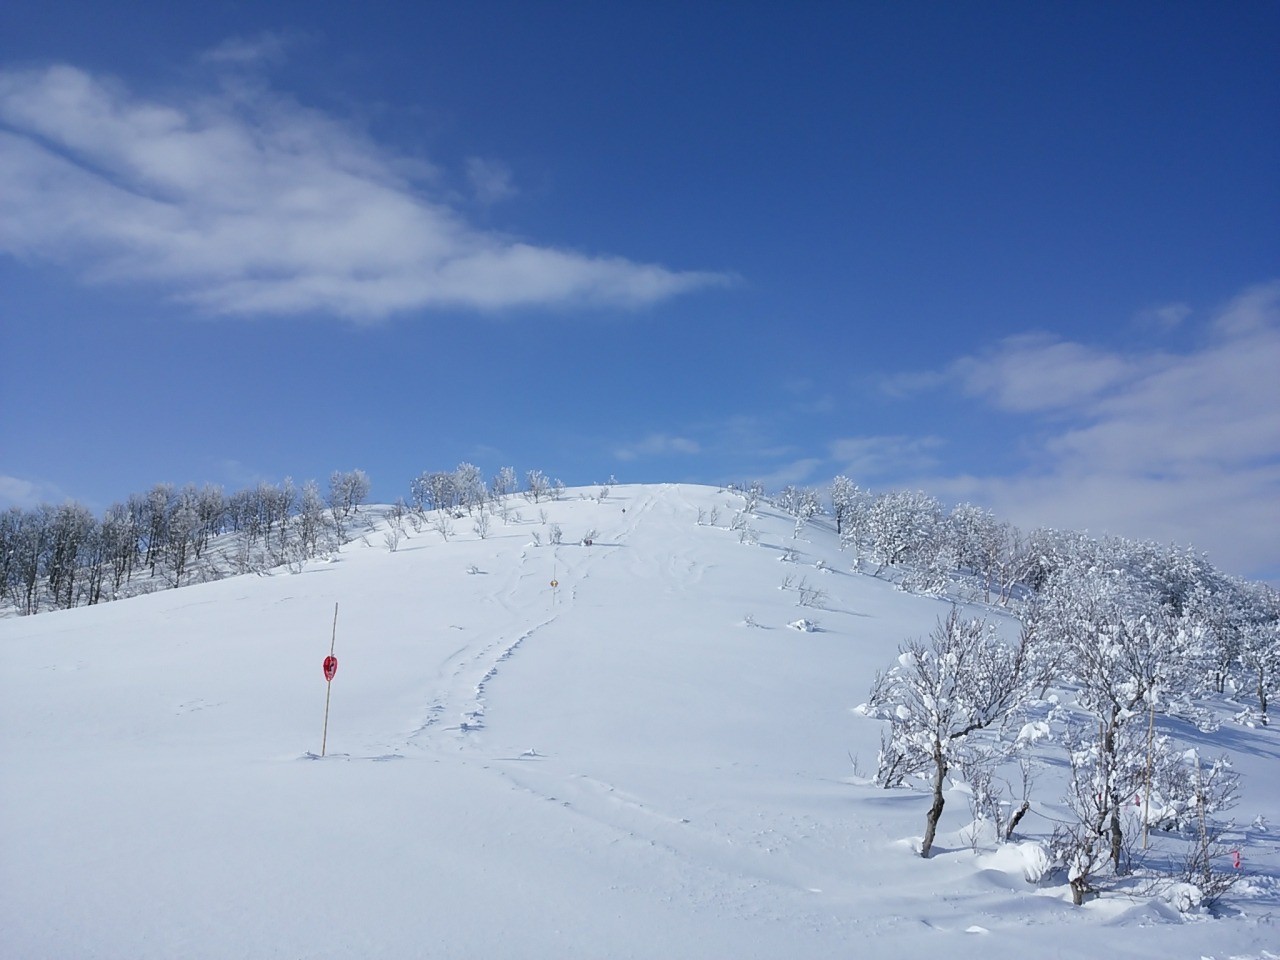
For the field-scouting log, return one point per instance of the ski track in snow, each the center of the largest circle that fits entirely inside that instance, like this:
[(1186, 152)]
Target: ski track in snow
[(472, 667), (635, 819), (629, 816)]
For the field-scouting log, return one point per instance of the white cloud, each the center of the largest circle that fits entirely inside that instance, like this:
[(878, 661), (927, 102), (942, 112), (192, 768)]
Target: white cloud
[(245, 202), (1036, 372), (884, 456), (1175, 447), (239, 474), (17, 492), (796, 473), (911, 382), (1217, 408), (657, 445), (808, 398), (266, 47), (491, 180), (1164, 317)]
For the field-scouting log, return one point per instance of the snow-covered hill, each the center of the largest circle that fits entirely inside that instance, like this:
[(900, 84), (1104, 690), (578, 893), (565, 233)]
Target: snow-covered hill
[(645, 760)]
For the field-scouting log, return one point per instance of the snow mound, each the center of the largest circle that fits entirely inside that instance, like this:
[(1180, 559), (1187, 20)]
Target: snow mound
[(1027, 859)]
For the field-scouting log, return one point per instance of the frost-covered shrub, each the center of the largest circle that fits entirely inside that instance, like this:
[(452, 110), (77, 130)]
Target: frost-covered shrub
[(965, 679)]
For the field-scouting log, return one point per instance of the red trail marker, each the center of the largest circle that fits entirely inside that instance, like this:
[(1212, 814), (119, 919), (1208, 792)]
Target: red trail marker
[(330, 669)]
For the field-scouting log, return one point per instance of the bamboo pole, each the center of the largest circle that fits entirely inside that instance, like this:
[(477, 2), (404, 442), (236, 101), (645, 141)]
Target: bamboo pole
[(333, 639), (1146, 808)]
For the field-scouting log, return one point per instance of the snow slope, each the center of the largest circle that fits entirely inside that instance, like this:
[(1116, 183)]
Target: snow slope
[(645, 761)]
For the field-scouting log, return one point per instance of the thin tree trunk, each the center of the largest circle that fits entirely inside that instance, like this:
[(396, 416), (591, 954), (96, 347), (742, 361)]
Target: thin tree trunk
[(935, 811), (1117, 835), (1017, 819)]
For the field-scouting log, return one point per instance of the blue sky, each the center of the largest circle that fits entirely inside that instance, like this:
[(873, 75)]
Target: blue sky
[(1025, 255)]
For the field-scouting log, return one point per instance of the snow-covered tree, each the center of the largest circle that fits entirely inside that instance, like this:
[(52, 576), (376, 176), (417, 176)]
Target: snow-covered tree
[(904, 528), (69, 531), (965, 679), (1084, 844), (282, 502), (536, 486), (1160, 784), (211, 513), (801, 503), (434, 491), (855, 521), (119, 548), (504, 482), (1260, 646), (1127, 655), (156, 508), (314, 528), (1222, 615), (1049, 552), (468, 482), (442, 524), (844, 498), (28, 540), (1171, 578), (347, 491), (10, 524), (805, 504), (183, 529), (977, 544)]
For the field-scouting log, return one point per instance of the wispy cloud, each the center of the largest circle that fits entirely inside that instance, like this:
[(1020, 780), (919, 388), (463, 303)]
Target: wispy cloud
[(245, 202), (808, 398), (238, 474), (17, 492), (657, 445), (1164, 317), (1038, 372), (491, 180), (795, 473), (265, 47), (890, 456), (1179, 447)]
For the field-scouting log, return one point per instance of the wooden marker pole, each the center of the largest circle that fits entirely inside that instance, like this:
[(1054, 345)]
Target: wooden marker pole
[(1151, 735), (330, 668)]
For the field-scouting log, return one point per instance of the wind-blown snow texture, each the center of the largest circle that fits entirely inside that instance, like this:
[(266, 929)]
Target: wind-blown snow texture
[(646, 761)]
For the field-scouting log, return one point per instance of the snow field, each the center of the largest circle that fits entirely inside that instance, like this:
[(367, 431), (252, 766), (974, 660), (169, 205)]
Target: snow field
[(621, 766)]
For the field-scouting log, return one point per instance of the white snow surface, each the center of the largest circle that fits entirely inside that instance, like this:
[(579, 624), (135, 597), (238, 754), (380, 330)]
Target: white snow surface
[(641, 762)]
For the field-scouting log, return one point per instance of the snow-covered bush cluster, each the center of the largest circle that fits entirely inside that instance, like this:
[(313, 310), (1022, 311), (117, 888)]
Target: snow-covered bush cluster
[(59, 557), (1131, 637), (1200, 630), (1128, 640), (56, 557)]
